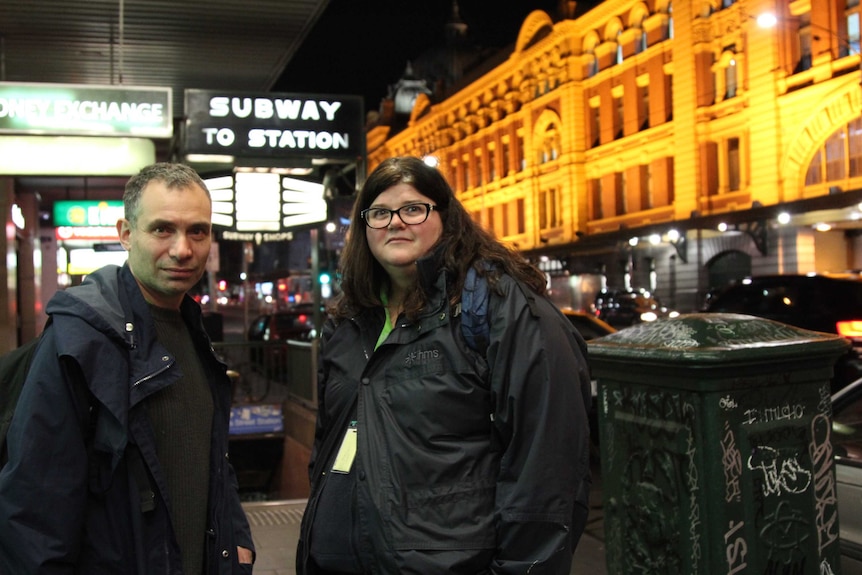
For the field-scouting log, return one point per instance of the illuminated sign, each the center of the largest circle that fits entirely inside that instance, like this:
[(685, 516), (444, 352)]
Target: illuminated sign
[(87, 233), (274, 125), (88, 213), (85, 110), (265, 202)]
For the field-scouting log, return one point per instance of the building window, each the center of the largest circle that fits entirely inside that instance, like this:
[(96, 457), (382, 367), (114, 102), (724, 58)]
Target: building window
[(549, 216), (479, 168), (549, 145), (506, 159), (519, 215), (466, 171), (619, 59), (670, 21), (595, 134), (643, 93), (646, 186), (619, 117), (814, 174), (854, 148), (595, 190), (733, 167), (492, 164), (519, 153), (853, 40), (620, 193), (730, 79), (835, 157)]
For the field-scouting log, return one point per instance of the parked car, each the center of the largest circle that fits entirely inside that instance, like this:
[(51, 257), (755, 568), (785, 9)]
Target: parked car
[(830, 303), (847, 446), (588, 325), (625, 307), (268, 329)]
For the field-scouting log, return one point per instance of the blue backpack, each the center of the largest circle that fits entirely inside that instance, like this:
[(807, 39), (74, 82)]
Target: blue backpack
[(474, 311)]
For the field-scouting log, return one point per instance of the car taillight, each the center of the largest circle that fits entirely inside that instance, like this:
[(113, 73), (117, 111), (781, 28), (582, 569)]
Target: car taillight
[(850, 329)]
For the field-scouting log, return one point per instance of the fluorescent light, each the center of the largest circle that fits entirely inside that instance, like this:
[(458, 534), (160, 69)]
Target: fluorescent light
[(74, 155)]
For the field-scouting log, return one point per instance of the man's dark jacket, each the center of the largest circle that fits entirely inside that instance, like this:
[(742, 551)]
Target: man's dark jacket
[(64, 510), (464, 464)]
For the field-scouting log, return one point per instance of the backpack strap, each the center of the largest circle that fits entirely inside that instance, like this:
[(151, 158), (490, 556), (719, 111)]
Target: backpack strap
[(474, 311)]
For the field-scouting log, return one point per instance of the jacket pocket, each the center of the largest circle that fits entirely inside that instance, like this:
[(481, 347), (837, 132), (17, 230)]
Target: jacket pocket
[(451, 516)]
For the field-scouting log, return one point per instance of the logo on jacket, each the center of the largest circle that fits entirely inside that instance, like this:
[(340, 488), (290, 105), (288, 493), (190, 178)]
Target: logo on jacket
[(421, 357)]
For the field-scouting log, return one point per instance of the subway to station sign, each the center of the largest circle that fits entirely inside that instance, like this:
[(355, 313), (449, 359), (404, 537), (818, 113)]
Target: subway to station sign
[(274, 125), (88, 110)]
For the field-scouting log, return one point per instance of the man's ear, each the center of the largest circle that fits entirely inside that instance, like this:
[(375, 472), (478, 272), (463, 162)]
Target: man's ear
[(124, 229)]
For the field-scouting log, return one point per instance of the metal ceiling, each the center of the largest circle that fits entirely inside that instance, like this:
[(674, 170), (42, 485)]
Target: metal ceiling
[(206, 44)]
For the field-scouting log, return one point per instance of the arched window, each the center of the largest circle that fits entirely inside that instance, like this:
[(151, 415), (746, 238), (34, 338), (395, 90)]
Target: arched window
[(730, 84), (670, 21), (619, 47)]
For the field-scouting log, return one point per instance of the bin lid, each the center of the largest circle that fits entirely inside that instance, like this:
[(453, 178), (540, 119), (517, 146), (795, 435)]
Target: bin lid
[(709, 338)]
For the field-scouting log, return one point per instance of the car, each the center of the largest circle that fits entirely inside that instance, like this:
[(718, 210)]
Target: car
[(587, 324), (829, 303), (296, 324), (625, 307), (275, 327), (847, 449)]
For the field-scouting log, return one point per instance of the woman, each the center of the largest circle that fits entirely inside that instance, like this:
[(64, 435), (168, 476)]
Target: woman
[(431, 456)]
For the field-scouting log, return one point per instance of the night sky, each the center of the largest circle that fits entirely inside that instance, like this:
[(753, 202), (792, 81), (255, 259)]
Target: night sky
[(363, 46)]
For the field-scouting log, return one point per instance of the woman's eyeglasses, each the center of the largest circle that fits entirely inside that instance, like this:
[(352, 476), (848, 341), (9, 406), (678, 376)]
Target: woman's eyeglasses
[(411, 214)]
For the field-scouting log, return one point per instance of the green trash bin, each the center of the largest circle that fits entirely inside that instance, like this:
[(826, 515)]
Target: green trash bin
[(715, 438)]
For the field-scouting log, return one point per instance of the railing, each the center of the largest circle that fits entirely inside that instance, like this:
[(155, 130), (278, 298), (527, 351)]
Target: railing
[(272, 372)]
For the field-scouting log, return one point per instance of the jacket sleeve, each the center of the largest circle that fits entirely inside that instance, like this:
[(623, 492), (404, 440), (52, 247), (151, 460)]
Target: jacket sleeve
[(241, 527), (43, 487), (541, 387)]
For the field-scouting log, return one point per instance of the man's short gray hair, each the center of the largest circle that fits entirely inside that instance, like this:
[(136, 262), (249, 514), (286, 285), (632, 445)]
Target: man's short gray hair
[(171, 174)]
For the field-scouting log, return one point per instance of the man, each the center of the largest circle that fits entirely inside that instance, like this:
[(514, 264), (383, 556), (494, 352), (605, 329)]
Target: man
[(118, 448)]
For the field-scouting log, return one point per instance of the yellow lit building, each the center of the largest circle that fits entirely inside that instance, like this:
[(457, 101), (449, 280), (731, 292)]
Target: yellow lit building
[(655, 144)]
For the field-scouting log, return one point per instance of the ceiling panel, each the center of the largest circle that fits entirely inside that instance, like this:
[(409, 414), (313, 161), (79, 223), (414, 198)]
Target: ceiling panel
[(212, 44)]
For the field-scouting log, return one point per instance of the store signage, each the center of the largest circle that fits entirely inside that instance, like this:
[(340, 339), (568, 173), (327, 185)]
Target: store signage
[(86, 233), (85, 110), (274, 125), (253, 202), (258, 418), (88, 213)]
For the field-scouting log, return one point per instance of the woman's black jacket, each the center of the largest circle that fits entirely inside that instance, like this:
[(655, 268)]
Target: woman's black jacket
[(464, 464)]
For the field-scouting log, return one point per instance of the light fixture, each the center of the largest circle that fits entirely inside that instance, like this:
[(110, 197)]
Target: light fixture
[(822, 227), (767, 20), (654, 239), (783, 218), (633, 242), (722, 227), (673, 235)]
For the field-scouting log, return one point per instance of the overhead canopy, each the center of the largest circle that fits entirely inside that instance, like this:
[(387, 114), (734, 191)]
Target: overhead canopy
[(205, 44)]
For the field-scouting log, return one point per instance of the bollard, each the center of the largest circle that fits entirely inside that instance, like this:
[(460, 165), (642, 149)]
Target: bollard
[(715, 443)]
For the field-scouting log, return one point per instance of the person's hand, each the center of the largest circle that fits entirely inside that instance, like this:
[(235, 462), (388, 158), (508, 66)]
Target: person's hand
[(244, 555)]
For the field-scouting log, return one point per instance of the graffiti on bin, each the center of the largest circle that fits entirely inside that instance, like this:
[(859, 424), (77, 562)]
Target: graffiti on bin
[(775, 454)]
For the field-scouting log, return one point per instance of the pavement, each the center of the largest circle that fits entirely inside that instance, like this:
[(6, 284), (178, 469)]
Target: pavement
[(275, 529)]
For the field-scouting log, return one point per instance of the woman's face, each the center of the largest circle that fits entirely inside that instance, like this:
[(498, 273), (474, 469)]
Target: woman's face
[(398, 245)]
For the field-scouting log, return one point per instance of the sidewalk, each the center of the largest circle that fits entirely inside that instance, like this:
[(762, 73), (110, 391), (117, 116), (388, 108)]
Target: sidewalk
[(275, 528)]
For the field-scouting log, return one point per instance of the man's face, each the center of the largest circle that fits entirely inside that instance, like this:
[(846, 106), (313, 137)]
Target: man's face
[(169, 243)]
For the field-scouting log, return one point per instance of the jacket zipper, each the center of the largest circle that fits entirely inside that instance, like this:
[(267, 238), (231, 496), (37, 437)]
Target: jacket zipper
[(154, 374)]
